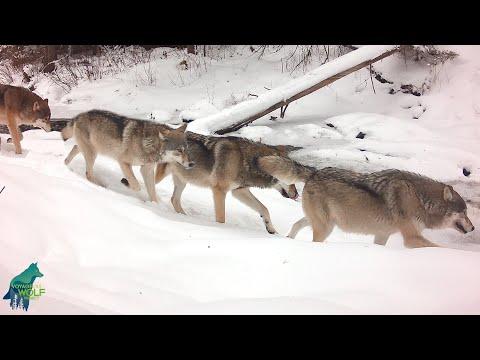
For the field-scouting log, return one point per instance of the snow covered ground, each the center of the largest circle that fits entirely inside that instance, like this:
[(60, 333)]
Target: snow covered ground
[(108, 251)]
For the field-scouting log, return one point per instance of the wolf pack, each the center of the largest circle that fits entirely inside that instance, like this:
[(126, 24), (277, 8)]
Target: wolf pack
[(380, 203)]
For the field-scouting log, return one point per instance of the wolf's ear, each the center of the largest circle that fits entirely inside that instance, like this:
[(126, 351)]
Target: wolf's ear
[(163, 133), (448, 193), (288, 148), (182, 128), (36, 106), (45, 101)]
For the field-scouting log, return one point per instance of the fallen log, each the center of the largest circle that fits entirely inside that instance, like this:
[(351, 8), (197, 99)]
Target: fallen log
[(57, 125), (242, 114), (284, 103)]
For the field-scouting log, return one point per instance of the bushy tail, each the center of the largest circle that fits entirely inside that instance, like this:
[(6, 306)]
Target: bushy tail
[(7, 295), (67, 131), (284, 169)]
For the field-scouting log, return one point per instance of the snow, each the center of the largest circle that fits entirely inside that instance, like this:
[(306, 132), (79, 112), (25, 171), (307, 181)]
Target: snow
[(109, 250), (197, 110), (244, 110)]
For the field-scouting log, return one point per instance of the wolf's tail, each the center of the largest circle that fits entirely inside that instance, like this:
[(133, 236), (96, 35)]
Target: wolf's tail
[(67, 131), (7, 295), (284, 169)]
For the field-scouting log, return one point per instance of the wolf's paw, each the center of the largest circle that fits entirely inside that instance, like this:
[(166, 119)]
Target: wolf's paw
[(419, 243), (9, 140), (180, 211), (134, 186), (268, 226), (96, 182), (270, 229)]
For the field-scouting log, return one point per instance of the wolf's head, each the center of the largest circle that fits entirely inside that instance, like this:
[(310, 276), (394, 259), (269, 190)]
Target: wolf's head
[(33, 270), (175, 146), (41, 114), (456, 211)]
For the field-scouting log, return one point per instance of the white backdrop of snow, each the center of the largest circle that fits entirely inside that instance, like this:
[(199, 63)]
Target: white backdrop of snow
[(110, 251)]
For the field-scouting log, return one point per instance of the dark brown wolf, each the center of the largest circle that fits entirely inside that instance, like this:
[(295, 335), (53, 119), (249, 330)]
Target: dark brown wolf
[(19, 106)]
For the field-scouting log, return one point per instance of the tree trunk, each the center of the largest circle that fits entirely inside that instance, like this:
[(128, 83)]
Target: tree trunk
[(50, 55)]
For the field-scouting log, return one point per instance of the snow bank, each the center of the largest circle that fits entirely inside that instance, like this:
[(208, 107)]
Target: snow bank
[(243, 110), (107, 251)]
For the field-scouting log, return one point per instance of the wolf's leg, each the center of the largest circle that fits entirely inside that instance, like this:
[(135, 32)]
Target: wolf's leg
[(321, 231), (299, 225), (177, 194), (412, 237), (90, 157), (26, 303), (128, 172), (246, 197), (160, 172), (89, 154), (13, 128), (219, 201), (148, 173), (381, 239), (316, 212), (20, 135), (418, 241), (74, 152), (321, 226)]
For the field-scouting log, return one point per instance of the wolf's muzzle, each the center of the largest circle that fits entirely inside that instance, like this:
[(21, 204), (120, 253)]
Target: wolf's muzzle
[(294, 196), (460, 227)]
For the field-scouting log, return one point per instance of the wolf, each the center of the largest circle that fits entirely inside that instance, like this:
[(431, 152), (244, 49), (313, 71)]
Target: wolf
[(129, 141), (227, 164), (380, 203), (20, 285), (19, 106)]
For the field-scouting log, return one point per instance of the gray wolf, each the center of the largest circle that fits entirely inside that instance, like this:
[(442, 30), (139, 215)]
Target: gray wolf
[(19, 106), (227, 164), (129, 141), (379, 203)]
